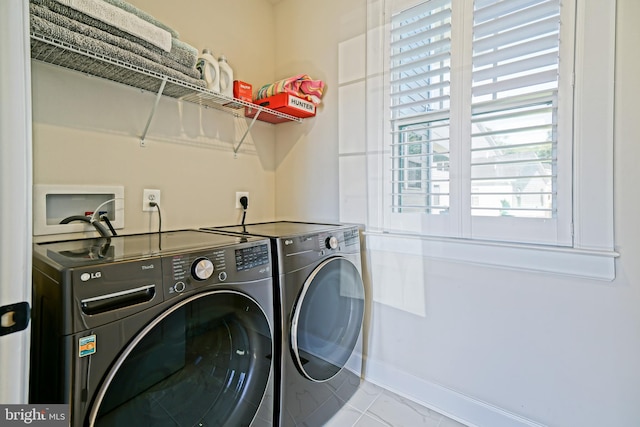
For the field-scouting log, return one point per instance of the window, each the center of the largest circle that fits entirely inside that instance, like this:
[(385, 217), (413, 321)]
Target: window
[(425, 160), (514, 107), (481, 120), (420, 106)]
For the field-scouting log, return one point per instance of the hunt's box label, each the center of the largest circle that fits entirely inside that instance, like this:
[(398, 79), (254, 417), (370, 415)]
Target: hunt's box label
[(301, 104), (283, 103), (86, 346)]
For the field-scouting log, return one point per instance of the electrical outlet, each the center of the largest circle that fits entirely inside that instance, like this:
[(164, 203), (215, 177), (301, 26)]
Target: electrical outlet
[(149, 196), (241, 194)]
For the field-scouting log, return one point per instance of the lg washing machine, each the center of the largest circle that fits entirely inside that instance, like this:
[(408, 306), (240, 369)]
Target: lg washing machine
[(322, 302), (161, 329)]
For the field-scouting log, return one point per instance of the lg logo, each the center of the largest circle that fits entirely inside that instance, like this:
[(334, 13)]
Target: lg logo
[(88, 276)]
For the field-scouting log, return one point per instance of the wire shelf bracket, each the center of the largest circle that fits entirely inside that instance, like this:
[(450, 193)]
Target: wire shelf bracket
[(236, 148), (153, 112)]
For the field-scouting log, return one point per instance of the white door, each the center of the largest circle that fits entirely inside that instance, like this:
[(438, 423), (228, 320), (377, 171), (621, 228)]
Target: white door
[(15, 195)]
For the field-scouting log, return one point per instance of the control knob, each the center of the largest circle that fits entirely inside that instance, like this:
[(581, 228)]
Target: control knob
[(202, 269), (331, 242), (179, 287)]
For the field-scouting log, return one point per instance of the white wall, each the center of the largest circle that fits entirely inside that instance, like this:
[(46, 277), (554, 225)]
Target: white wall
[(87, 130), (490, 346)]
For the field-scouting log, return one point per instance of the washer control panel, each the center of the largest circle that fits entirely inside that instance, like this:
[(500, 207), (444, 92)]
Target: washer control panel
[(251, 257), (191, 271)]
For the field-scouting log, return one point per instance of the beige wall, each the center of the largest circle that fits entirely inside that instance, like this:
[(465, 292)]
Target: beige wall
[(307, 40), (239, 29), (87, 130)]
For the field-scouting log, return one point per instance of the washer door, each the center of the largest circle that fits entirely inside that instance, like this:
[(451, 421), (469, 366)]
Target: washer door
[(327, 319), (205, 361)]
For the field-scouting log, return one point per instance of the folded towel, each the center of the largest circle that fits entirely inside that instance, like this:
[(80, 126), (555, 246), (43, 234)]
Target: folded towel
[(143, 15), (180, 52), (184, 53), (95, 33), (122, 20), (301, 86), (86, 64)]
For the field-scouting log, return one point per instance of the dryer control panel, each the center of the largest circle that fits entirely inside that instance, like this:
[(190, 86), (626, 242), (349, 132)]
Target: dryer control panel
[(303, 250), (339, 240)]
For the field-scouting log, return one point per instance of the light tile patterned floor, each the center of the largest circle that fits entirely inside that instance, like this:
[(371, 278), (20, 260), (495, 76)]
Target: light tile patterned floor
[(373, 406)]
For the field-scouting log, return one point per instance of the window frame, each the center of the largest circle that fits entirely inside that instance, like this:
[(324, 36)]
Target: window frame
[(592, 252)]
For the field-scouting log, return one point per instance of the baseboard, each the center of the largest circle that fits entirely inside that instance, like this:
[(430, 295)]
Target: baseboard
[(453, 404)]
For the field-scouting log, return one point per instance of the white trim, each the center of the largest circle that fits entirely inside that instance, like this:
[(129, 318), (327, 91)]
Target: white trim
[(455, 405), (15, 196), (594, 125), (590, 264)]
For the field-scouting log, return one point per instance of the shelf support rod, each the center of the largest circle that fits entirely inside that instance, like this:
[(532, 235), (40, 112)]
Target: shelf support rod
[(153, 111), (235, 150)]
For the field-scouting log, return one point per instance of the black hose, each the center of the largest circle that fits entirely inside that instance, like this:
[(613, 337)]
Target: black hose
[(103, 231), (105, 218)]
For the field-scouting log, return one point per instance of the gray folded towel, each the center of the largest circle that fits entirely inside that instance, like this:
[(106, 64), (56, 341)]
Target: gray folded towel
[(180, 51), (114, 40), (123, 20), (143, 15), (92, 66)]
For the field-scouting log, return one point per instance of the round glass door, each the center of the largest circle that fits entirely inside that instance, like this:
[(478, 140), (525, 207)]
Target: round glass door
[(204, 362), (327, 319)]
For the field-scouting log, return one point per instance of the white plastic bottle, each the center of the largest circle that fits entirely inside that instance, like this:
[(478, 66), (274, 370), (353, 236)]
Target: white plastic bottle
[(226, 76), (209, 70)]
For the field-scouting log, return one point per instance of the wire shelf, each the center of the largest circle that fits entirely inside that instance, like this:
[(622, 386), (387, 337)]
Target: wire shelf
[(56, 52)]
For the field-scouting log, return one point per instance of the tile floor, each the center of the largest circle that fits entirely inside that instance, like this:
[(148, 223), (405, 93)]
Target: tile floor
[(373, 406)]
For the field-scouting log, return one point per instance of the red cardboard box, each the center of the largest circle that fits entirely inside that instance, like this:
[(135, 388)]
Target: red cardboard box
[(284, 103), (242, 91)]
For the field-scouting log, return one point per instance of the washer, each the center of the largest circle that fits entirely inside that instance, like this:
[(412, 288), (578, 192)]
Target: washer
[(322, 301), (166, 329)]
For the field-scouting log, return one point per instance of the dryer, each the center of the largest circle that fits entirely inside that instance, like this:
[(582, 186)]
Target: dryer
[(161, 329), (322, 302)]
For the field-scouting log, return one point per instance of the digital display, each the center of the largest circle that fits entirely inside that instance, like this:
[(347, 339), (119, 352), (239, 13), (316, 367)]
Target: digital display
[(351, 237), (251, 257)]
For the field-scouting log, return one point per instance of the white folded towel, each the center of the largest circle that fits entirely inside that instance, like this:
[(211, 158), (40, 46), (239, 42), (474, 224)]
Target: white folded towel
[(123, 20)]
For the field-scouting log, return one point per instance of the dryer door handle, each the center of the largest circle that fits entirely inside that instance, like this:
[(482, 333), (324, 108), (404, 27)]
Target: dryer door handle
[(108, 302)]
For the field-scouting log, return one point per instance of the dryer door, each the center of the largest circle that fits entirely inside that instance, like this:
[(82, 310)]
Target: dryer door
[(327, 319), (205, 361)]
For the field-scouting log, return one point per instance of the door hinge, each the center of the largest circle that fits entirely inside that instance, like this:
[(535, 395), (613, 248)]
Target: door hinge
[(14, 317)]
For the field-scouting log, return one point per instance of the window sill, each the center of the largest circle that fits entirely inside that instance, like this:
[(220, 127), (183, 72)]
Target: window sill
[(583, 263)]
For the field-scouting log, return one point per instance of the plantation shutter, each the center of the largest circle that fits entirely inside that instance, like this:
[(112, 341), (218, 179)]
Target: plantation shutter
[(420, 80), (514, 108)]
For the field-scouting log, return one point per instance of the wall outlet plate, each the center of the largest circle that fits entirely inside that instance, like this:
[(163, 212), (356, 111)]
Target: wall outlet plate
[(241, 194), (149, 196)]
